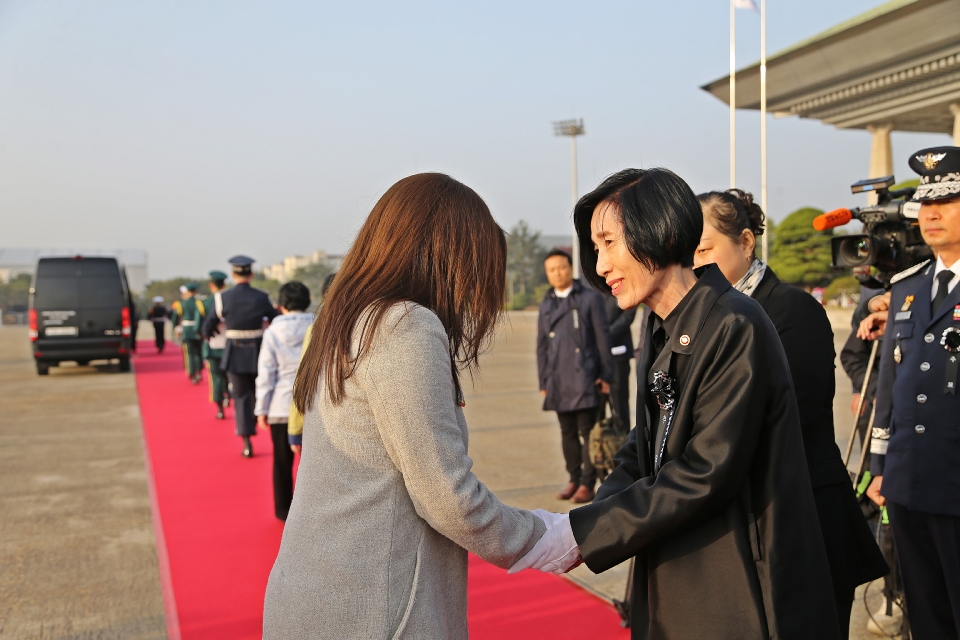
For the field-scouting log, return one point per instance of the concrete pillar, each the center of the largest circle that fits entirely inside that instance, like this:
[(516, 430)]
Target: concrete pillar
[(955, 110), (881, 154)]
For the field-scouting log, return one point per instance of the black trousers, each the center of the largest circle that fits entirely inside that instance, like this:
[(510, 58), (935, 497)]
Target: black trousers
[(928, 547), (573, 426), (620, 389), (244, 391), (282, 470), (158, 328)]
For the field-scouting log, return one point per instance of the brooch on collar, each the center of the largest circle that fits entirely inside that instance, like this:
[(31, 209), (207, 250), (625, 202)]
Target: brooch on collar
[(662, 389)]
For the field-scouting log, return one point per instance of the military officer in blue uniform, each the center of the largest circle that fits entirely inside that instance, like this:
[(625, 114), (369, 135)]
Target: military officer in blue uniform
[(916, 439), (213, 345), (244, 312)]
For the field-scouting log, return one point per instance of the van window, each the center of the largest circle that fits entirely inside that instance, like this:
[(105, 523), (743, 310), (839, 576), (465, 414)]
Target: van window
[(101, 292), (58, 268), (57, 293)]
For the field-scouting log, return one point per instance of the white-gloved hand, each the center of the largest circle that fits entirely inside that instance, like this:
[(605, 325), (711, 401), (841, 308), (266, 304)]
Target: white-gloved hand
[(556, 551)]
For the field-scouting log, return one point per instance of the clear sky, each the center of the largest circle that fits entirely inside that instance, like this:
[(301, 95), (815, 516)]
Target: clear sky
[(197, 130)]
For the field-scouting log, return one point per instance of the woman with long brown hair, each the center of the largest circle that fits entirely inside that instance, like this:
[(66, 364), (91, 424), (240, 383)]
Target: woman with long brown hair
[(386, 507)]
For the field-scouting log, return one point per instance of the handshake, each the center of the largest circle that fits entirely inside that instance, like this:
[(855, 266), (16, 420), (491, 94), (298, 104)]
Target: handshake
[(557, 551)]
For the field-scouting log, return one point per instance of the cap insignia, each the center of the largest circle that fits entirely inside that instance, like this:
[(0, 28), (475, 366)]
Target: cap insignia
[(931, 160)]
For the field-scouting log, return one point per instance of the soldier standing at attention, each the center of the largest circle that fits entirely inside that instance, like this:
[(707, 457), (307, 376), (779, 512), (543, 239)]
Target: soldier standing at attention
[(187, 317), (213, 345), (916, 437), (244, 311), (158, 316)]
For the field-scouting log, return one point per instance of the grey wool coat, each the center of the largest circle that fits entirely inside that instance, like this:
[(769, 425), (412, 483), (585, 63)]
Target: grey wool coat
[(386, 505)]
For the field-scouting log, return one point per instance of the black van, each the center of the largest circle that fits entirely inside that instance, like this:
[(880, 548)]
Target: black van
[(80, 310)]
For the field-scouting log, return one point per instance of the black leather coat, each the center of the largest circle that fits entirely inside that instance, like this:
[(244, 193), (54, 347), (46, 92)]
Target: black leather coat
[(725, 535), (807, 339)]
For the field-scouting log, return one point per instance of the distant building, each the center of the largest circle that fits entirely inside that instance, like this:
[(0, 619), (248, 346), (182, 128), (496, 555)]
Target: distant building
[(284, 271), (16, 261), (894, 68)]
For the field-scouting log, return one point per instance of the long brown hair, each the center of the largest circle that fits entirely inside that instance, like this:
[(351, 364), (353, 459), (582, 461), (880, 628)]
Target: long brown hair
[(429, 240)]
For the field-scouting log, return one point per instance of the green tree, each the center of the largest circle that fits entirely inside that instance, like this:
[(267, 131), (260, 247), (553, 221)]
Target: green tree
[(844, 284), (800, 254), (525, 273), (168, 289), (15, 294), (313, 277), (272, 287)]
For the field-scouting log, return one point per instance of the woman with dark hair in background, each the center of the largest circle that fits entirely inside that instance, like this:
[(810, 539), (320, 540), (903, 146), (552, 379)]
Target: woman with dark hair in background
[(731, 224), (386, 507), (712, 495)]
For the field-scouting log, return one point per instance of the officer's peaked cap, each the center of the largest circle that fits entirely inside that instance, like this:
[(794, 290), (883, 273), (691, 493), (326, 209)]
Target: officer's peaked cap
[(218, 276), (939, 169)]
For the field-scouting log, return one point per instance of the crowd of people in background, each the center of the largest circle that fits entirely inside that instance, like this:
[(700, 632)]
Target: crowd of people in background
[(251, 349)]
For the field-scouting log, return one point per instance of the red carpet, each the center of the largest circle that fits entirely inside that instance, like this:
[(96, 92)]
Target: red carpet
[(217, 537)]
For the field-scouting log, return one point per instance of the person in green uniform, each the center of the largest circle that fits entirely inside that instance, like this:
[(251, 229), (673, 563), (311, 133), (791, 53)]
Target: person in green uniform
[(213, 346), (188, 315)]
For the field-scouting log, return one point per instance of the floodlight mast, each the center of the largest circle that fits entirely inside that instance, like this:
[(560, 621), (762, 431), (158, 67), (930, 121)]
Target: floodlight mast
[(572, 129)]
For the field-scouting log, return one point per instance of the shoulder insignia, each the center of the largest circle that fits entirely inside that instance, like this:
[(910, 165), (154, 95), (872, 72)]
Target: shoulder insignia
[(906, 273)]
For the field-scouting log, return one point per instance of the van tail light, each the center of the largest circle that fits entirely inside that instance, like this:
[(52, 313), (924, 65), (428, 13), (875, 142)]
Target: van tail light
[(34, 325), (125, 320)]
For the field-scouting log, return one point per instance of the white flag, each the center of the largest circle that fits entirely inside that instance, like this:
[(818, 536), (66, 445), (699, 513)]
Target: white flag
[(746, 4)]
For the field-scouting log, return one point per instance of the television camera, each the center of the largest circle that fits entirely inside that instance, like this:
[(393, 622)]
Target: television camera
[(891, 240)]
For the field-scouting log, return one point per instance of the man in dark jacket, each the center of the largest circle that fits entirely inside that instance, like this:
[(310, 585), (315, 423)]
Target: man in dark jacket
[(244, 311), (573, 361), (621, 347)]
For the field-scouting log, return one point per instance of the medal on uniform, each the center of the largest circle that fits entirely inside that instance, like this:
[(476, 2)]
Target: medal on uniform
[(950, 340), (956, 313), (897, 354), (906, 303)]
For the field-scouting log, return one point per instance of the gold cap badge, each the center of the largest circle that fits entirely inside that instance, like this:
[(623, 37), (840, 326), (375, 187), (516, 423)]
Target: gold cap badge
[(931, 160)]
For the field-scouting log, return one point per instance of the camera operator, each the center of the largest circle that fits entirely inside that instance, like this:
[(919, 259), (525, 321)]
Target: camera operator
[(916, 439)]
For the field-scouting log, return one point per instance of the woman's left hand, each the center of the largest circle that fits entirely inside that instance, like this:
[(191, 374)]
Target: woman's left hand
[(262, 423)]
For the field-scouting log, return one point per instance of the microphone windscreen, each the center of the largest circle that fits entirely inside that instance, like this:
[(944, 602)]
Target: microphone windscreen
[(831, 219)]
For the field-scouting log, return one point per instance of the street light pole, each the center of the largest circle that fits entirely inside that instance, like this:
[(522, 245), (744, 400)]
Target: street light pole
[(572, 128)]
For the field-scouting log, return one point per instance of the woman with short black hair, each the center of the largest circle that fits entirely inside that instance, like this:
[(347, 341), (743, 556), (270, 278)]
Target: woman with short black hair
[(732, 221), (712, 495)]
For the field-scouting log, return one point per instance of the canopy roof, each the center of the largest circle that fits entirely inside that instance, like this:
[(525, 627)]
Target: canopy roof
[(898, 63)]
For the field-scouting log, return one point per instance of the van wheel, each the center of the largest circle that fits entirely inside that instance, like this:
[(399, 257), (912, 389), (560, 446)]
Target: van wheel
[(43, 369), (124, 365)]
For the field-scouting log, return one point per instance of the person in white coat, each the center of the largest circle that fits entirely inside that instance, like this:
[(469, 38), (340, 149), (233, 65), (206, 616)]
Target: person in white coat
[(276, 370)]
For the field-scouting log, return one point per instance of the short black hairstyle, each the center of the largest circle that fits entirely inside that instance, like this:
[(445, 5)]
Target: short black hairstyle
[(661, 217), (558, 252), (326, 283), (294, 296)]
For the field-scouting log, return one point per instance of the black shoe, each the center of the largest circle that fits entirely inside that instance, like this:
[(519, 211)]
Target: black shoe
[(219, 414), (247, 447)]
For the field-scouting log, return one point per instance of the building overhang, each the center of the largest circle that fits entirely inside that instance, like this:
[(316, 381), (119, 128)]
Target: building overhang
[(897, 64)]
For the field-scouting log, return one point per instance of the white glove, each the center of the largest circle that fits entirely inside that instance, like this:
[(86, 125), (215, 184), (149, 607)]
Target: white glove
[(556, 551)]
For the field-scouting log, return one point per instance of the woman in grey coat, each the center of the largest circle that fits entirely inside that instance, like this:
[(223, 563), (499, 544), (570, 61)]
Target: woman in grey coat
[(386, 506)]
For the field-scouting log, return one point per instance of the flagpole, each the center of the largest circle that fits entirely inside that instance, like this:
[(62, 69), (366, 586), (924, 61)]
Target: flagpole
[(733, 94), (763, 123)]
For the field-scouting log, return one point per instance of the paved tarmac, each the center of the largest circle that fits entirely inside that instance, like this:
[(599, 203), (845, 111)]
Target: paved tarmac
[(76, 540), (77, 553)]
